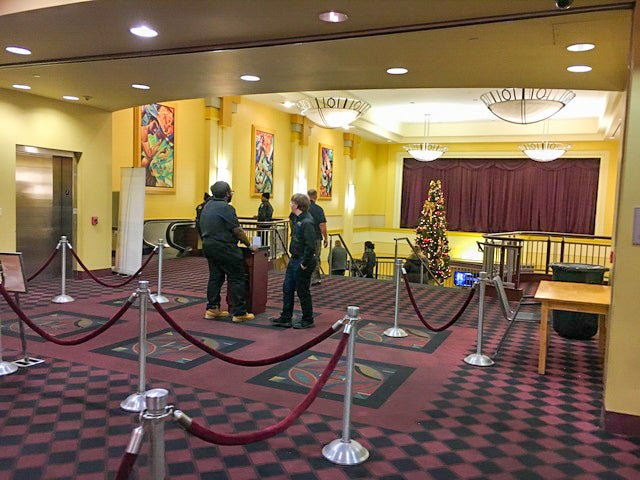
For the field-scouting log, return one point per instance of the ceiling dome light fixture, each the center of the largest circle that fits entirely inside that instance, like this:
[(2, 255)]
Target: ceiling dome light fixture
[(18, 50), (426, 152), (332, 112), (333, 17), (579, 68), (526, 105), (143, 31), (544, 151), (581, 47)]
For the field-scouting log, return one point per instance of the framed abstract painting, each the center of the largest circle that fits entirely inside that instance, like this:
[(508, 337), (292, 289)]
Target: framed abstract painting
[(325, 172), (154, 142), (262, 145)]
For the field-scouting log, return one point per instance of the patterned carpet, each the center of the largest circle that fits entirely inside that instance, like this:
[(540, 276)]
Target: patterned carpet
[(436, 418)]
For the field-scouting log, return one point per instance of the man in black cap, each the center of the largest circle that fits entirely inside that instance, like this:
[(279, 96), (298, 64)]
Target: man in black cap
[(221, 232)]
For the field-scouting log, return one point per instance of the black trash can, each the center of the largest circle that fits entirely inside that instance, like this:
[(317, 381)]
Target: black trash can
[(574, 325)]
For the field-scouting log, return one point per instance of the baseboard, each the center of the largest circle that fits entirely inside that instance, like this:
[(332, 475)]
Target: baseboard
[(81, 274), (621, 423)]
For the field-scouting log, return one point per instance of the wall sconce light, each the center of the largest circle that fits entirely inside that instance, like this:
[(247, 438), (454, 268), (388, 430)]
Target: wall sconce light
[(351, 197)]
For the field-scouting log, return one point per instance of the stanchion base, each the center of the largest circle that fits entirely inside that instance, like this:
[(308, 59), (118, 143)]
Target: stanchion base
[(62, 299), (7, 368), (27, 362), (135, 403), (478, 360), (395, 332), (345, 453), (159, 298)]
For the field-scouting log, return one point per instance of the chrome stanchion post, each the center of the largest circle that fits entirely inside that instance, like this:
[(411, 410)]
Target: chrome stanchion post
[(345, 451), (154, 416), (136, 401), (26, 360), (395, 331), (63, 297), (6, 368), (478, 359), (158, 297)]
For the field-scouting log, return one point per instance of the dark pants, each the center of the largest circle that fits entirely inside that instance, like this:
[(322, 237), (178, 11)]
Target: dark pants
[(297, 281), (339, 272), (226, 260), (315, 276)]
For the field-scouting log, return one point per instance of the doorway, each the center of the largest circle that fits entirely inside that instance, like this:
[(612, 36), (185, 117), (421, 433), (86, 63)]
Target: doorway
[(44, 206)]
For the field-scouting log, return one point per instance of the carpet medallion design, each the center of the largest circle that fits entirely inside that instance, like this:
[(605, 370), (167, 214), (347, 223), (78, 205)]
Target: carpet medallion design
[(166, 347), (175, 301), (418, 339), (60, 324), (373, 382)]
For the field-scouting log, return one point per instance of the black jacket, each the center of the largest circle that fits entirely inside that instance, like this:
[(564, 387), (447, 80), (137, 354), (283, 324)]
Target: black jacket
[(303, 238), (265, 212)]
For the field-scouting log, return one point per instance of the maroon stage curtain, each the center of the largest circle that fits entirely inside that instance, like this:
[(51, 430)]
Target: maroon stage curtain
[(501, 195)]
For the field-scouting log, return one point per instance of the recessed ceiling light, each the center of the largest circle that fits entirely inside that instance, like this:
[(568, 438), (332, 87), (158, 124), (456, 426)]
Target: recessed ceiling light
[(581, 47), (250, 78), (287, 104), (71, 97), (579, 68), (30, 149), (397, 71), (143, 31), (140, 86), (333, 17), (21, 87), (18, 50)]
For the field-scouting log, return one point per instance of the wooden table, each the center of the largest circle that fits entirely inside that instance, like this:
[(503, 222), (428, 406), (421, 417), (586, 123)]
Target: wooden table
[(572, 297)]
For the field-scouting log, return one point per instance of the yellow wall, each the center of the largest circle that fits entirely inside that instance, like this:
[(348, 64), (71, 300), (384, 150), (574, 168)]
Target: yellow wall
[(335, 140), (190, 159), (64, 126), (622, 375), (371, 180), (248, 114)]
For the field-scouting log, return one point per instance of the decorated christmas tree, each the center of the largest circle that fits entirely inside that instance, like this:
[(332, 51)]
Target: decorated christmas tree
[(431, 233)]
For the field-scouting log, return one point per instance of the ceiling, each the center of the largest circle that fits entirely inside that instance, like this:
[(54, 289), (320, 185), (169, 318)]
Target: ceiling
[(455, 50)]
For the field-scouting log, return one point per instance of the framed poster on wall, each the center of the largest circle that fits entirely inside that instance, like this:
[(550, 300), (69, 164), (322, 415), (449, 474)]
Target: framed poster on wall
[(154, 146), (325, 172), (262, 148)]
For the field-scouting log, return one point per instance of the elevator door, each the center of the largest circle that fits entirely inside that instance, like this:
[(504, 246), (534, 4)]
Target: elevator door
[(44, 210)]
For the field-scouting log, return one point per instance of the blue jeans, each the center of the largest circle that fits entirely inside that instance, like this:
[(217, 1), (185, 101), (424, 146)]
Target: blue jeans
[(297, 281)]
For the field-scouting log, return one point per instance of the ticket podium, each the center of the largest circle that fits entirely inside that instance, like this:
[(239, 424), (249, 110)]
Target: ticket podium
[(256, 266)]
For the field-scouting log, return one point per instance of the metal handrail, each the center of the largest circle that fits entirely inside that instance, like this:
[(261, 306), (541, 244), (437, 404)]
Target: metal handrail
[(541, 249), (351, 259), (533, 233), (416, 251)]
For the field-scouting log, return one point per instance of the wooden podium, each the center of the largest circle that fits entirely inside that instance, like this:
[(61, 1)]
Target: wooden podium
[(256, 266)]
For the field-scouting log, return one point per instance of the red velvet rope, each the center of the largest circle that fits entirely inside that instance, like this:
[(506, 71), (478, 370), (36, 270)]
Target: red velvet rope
[(46, 264), (126, 466), (236, 361), (450, 322), (55, 340), (245, 438), (106, 284)]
